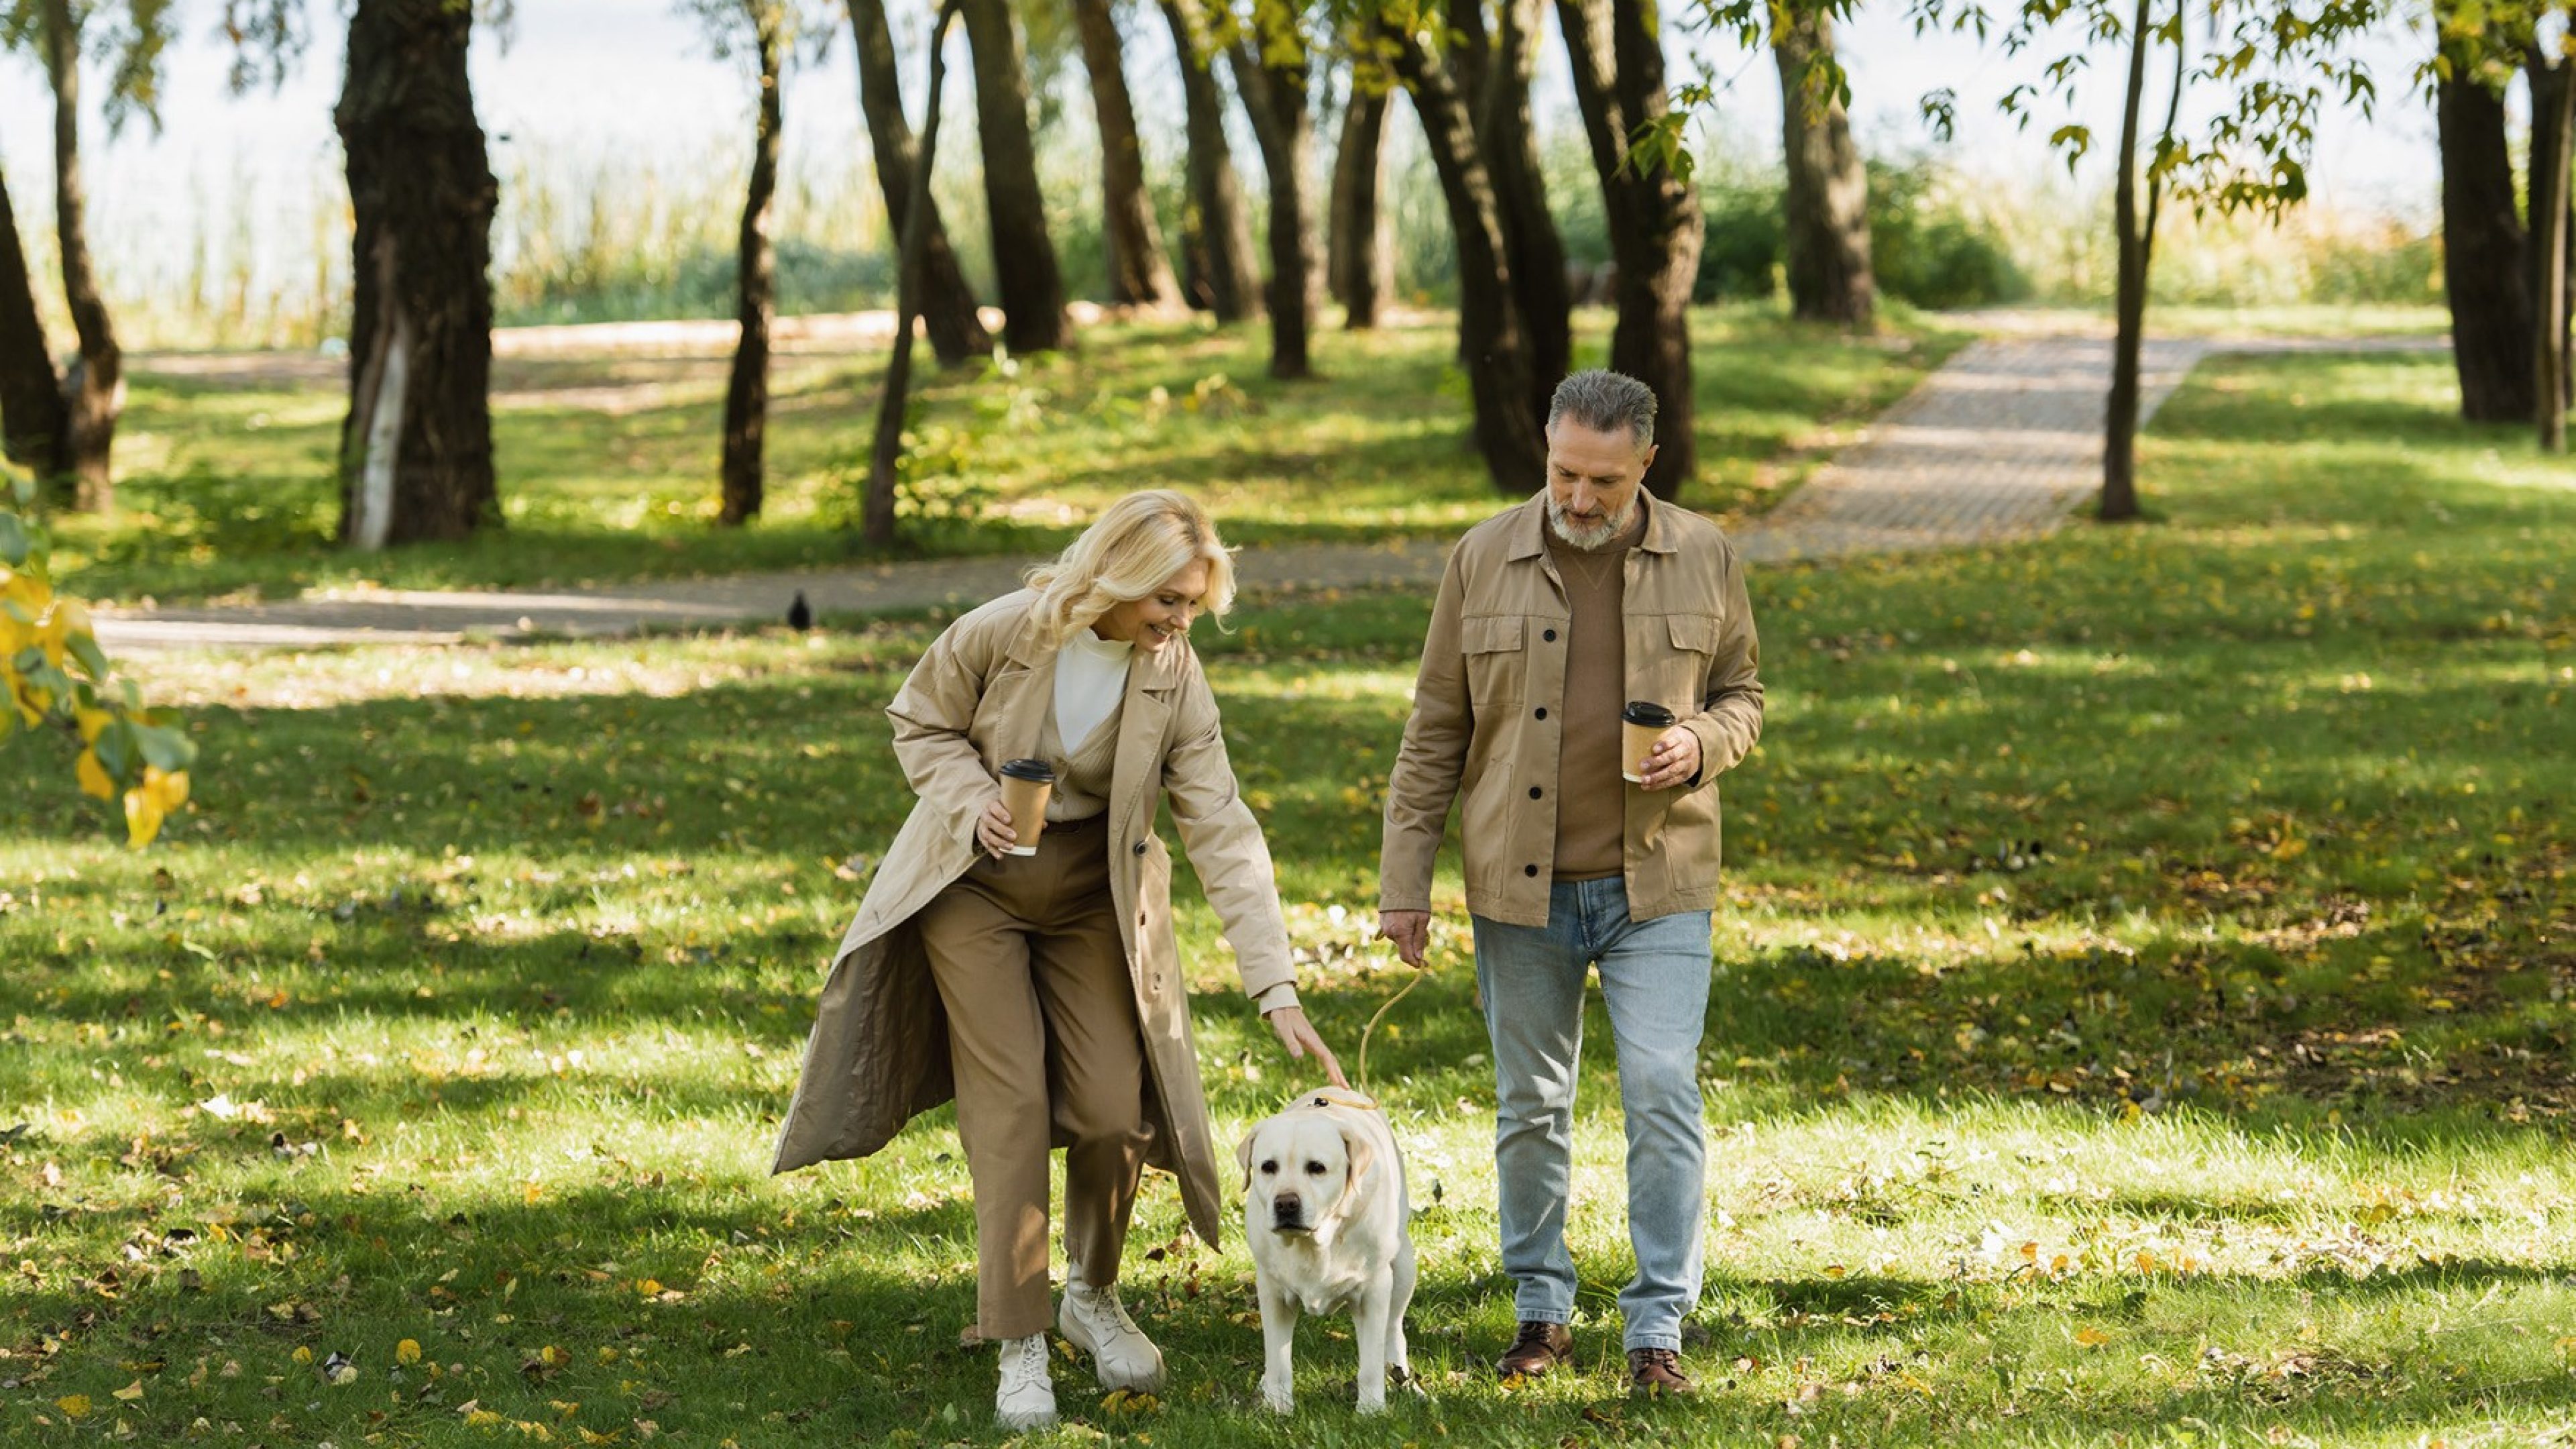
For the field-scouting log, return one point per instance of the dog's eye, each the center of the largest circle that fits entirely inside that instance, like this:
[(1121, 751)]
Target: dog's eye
[(1314, 1169), (1268, 1168)]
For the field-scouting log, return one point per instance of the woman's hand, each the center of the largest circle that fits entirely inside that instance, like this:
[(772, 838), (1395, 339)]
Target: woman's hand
[(993, 829), (1298, 1035)]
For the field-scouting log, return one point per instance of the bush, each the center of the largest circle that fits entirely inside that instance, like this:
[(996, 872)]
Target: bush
[(1929, 247)]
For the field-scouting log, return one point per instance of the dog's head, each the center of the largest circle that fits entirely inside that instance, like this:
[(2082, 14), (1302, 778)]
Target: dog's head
[(1301, 1170)]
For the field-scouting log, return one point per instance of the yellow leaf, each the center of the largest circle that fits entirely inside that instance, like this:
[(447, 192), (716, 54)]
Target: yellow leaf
[(93, 776), (131, 1391), (303, 1354), (2091, 1337), (407, 1351), (74, 1406)]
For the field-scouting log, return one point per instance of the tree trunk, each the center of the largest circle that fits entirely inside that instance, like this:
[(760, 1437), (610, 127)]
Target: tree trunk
[(1274, 93), (34, 425), (1024, 260), (94, 396), (416, 450), (1509, 141), (1224, 276), (1654, 220), (2136, 254), (2484, 266), (746, 414), (947, 301), (1827, 198), (1493, 347), (1140, 274), (2553, 148), (885, 457), (1359, 253)]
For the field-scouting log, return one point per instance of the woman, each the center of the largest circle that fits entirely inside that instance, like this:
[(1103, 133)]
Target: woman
[(1043, 992)]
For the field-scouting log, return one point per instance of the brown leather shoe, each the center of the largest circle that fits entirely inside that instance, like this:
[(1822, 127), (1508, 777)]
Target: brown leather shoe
[(1538, 1348), (1656, 1372)]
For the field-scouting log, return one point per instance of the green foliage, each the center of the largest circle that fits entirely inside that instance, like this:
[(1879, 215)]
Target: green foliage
[(1929, 248), (52, 673), (459, 1015)]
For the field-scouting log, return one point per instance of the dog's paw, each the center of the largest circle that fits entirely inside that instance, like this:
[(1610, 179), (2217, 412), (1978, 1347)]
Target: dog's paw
[(1278, 1397), (1373, 1403)]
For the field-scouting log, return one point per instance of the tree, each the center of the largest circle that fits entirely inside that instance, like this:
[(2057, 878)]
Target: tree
[(1827, 198), (1359, 253), (78, 472), (416, 449), (1140, 275), (1653, 217), (886, 455), (770, 26), (2485, 266), (1217, 238), (2553, 149), (52, 673), (2277, 64), (948, 311), (34, 421), (1497, 65), (1272, 70), (1024, 261), (1493, 342)]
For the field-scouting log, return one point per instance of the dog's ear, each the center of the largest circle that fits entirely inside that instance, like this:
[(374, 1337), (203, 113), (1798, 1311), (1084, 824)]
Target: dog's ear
[(1243, 1158), (1358, 1153)]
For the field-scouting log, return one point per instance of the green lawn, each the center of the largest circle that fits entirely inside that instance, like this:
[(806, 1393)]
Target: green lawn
[(608, 466), (2142, 1015)]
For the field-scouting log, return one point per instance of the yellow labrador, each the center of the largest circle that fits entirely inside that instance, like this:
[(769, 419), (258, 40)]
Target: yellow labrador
[(1326, 1212)]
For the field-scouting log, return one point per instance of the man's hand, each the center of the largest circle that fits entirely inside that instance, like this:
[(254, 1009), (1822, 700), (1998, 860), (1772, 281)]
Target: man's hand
[(1409, 930), (1675, 760), (993, 829), (1298, 1035)]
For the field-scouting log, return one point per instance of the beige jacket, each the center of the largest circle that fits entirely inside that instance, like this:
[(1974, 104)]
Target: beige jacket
[(1489, 702), (979, 696)]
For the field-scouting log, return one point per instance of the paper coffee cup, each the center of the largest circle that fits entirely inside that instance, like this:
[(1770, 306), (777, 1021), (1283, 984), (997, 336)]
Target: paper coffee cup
[(1640, 725), (1025, 787)]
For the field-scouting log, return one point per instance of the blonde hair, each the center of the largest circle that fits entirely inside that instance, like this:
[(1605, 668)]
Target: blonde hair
[(1138, 544)]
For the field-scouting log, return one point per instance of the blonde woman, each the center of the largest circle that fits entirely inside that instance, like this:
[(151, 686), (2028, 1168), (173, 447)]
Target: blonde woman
[(1044, 991)]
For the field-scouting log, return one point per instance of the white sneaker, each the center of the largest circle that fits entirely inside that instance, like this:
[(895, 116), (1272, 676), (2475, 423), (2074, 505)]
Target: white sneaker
[(1092, 1320), (1026, 1399)]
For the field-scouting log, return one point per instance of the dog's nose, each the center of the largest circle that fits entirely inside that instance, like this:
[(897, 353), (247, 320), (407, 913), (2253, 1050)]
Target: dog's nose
[(1287, 1211)]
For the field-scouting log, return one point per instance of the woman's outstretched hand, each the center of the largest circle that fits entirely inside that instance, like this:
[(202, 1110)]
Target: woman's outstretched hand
[(1298, 1035)]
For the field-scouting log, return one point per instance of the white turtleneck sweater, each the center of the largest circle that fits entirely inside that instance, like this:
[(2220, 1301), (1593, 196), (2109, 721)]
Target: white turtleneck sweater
[(1090, 679)]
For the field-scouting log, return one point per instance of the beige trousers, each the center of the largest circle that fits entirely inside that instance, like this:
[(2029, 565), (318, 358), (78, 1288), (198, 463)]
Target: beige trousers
[(1044, 1040)]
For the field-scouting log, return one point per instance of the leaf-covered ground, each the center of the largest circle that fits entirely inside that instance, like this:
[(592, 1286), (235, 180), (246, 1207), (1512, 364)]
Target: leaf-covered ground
[(2142, 1016), (607, 466)]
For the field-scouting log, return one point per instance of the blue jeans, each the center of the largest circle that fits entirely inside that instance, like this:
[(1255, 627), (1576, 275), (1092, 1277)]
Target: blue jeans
[(1654, 978)]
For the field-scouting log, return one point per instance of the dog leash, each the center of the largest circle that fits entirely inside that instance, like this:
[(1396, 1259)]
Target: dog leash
[(1371, 1029)]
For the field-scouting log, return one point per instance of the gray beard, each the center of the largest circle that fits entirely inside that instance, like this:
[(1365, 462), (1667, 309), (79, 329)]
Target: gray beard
[(1588, 538)]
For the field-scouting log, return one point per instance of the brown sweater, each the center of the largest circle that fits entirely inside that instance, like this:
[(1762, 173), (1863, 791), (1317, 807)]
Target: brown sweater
[(1591, 799)]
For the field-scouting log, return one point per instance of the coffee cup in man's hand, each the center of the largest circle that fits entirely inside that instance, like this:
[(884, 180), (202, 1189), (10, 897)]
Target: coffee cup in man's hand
[(1641, 724)]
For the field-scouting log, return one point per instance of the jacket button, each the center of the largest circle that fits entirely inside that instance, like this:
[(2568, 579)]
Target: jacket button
[(1533, 792), (1549, 636), (1529, 870), (1542, 711), (1140, 847)]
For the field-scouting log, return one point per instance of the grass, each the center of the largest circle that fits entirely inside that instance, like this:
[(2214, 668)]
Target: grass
[(2142, 1015), (608, 465)]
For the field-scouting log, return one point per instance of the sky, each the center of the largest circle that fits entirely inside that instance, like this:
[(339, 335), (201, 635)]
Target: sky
[(607, 82)]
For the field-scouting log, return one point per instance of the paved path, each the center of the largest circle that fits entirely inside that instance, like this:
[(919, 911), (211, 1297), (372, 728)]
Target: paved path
[(2001, 442)]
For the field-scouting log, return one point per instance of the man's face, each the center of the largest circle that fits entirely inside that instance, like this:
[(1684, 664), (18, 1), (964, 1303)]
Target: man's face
[(1592, 481)]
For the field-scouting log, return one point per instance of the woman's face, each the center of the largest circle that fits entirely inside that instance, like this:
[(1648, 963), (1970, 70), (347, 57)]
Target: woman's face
[(1161, 616)]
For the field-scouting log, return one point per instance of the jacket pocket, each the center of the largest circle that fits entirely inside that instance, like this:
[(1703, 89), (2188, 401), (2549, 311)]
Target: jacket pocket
[(1495, 670)]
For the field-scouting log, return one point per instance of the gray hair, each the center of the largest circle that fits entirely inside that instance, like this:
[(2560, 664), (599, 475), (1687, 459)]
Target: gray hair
[(1605, 401)]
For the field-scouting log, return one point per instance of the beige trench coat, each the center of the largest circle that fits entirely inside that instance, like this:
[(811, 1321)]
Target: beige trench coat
[(879, 1051)]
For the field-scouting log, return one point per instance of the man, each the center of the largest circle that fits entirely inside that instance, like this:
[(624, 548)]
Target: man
[(1550, 617)]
